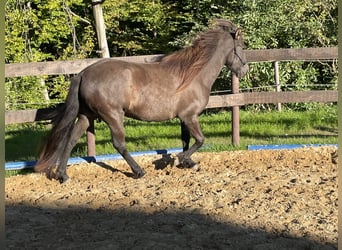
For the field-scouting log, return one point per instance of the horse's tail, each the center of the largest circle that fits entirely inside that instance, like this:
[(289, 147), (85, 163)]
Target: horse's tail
[(63, 122)]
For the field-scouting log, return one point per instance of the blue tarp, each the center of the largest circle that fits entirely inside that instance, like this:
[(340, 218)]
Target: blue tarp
[(77, 160)]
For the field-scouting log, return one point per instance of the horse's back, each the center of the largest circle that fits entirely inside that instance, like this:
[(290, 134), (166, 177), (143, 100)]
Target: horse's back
[(123, 73), (143, 91)]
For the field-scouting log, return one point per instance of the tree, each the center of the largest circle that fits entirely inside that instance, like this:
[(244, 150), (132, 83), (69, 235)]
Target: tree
[(42, 30)]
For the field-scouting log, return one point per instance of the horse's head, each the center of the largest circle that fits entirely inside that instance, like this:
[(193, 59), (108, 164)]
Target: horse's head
[(236, 59)]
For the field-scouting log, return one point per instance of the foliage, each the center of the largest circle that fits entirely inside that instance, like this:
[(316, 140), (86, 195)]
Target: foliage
[(287, 24), (42, 30)]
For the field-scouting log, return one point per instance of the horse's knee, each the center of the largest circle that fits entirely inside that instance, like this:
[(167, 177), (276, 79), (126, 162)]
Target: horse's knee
[(200, 141)]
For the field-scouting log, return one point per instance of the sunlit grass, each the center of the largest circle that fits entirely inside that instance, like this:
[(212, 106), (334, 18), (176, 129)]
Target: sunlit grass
[(256, 128)]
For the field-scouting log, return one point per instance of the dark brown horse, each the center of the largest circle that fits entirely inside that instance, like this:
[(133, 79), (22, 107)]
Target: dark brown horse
[(175, 85)]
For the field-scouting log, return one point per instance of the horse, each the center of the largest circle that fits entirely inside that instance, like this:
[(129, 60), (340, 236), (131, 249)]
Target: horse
[(169, 86)]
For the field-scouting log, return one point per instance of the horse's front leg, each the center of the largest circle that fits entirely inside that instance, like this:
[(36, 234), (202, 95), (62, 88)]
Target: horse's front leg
[(185, 135), (189, 127)]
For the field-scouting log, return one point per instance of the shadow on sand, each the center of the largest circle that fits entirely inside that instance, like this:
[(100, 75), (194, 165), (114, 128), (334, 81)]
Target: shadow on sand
[(31, 227)]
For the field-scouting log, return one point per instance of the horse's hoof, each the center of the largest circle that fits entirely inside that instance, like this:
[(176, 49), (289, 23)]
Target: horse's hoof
[(50, 175), (185, 163), (179, 160), (63, 179), (139, 174)]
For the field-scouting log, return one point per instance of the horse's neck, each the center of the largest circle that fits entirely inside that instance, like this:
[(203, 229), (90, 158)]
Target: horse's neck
[(212, 69)]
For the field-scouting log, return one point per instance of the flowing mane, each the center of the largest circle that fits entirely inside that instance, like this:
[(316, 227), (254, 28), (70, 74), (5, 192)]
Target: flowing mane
[(188, 62)]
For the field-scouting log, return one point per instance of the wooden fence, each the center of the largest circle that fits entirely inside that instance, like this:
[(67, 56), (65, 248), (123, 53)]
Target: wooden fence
[(234, 100)]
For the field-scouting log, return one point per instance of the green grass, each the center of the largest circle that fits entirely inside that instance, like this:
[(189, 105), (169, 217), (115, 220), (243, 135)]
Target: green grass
[(287, 127)]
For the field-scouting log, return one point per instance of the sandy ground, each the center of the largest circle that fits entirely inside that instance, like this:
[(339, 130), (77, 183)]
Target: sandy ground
[(279, 199)]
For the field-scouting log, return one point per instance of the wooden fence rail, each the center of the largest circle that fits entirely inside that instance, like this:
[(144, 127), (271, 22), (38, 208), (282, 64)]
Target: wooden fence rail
[(233, 100), (75, 66), (218, 101)]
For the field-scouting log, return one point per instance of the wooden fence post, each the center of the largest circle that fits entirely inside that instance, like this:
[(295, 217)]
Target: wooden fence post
[(91, 148), (276, 80), (104, 51), (100, 28), (235, 113)]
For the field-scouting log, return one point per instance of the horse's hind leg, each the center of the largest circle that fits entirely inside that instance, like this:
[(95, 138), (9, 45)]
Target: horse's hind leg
[(79, 128), (115, 123)]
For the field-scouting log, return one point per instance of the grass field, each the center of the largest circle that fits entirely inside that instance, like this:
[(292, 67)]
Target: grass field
[(318, 125)]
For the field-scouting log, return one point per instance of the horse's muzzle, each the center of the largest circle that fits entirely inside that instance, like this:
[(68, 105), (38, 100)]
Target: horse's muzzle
[(243, 71)]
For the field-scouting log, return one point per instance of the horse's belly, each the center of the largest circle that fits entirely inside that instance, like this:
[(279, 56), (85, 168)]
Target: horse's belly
[(152, 111)]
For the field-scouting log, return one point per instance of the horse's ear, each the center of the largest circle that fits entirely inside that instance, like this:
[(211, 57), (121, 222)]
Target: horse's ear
[(238, 34)]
